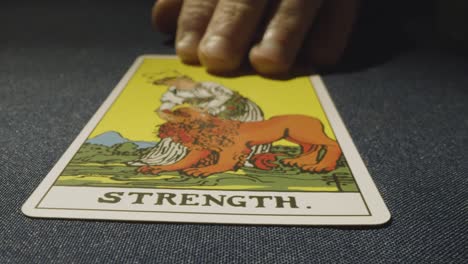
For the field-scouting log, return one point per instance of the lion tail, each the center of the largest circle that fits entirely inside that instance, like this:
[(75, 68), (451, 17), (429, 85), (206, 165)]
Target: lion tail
[(264, 161)]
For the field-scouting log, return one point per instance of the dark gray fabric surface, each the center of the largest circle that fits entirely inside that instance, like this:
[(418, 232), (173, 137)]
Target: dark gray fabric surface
[(407, 116)]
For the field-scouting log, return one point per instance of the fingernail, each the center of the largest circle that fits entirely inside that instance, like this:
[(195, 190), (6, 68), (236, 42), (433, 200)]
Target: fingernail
[(271, 49), (188, 40), (215, 47), (268, 58), (187, 46)]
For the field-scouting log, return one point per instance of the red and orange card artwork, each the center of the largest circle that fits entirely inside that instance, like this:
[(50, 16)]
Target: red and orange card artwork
[(173, 143)]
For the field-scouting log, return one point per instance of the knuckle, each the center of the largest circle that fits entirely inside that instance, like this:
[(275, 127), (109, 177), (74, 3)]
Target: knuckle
[(196, 15), (286, 27), (235, 9), (292, 18), (288, 19), (230, 15)]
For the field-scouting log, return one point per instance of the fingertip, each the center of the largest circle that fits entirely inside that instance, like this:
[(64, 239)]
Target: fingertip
[(191, 27), (216, 55), (187, 46), (269, 58), (283, 37), (229, 34)]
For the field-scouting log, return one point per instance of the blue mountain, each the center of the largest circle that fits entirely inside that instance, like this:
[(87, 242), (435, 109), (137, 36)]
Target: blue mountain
[(111, 138), (144, 144)]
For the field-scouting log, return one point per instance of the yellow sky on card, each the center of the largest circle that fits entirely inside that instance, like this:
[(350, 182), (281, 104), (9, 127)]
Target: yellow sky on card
[(132, 114)]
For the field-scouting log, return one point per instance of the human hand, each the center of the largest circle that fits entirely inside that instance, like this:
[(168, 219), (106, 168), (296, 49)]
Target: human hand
[(219, 34)]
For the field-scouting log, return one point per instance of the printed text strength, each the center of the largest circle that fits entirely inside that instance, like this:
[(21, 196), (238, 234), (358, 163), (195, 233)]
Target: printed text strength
[(193, 199)]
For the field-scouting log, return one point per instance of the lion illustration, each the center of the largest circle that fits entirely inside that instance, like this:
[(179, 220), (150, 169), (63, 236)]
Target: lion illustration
[(215, 98), (217, 145)]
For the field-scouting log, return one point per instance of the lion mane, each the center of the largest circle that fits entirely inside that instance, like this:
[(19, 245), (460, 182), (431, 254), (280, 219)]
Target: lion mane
[(209, 133)]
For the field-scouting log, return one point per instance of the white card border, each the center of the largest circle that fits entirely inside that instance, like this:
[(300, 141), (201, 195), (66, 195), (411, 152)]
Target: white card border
[(379, 213)]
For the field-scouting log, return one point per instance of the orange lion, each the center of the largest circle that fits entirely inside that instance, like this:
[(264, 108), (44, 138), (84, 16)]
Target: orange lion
[(217, 145)]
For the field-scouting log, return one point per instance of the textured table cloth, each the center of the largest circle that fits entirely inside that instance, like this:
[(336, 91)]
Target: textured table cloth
[(407, 113)]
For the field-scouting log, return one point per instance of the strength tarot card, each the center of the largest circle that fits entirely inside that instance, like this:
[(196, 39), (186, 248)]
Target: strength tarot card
[(173, 143)]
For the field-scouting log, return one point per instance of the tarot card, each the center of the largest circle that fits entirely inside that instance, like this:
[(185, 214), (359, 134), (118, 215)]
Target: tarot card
[(173, 143)]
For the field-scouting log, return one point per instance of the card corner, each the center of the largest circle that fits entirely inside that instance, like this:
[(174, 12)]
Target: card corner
[(27, 210), (382, 219)]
